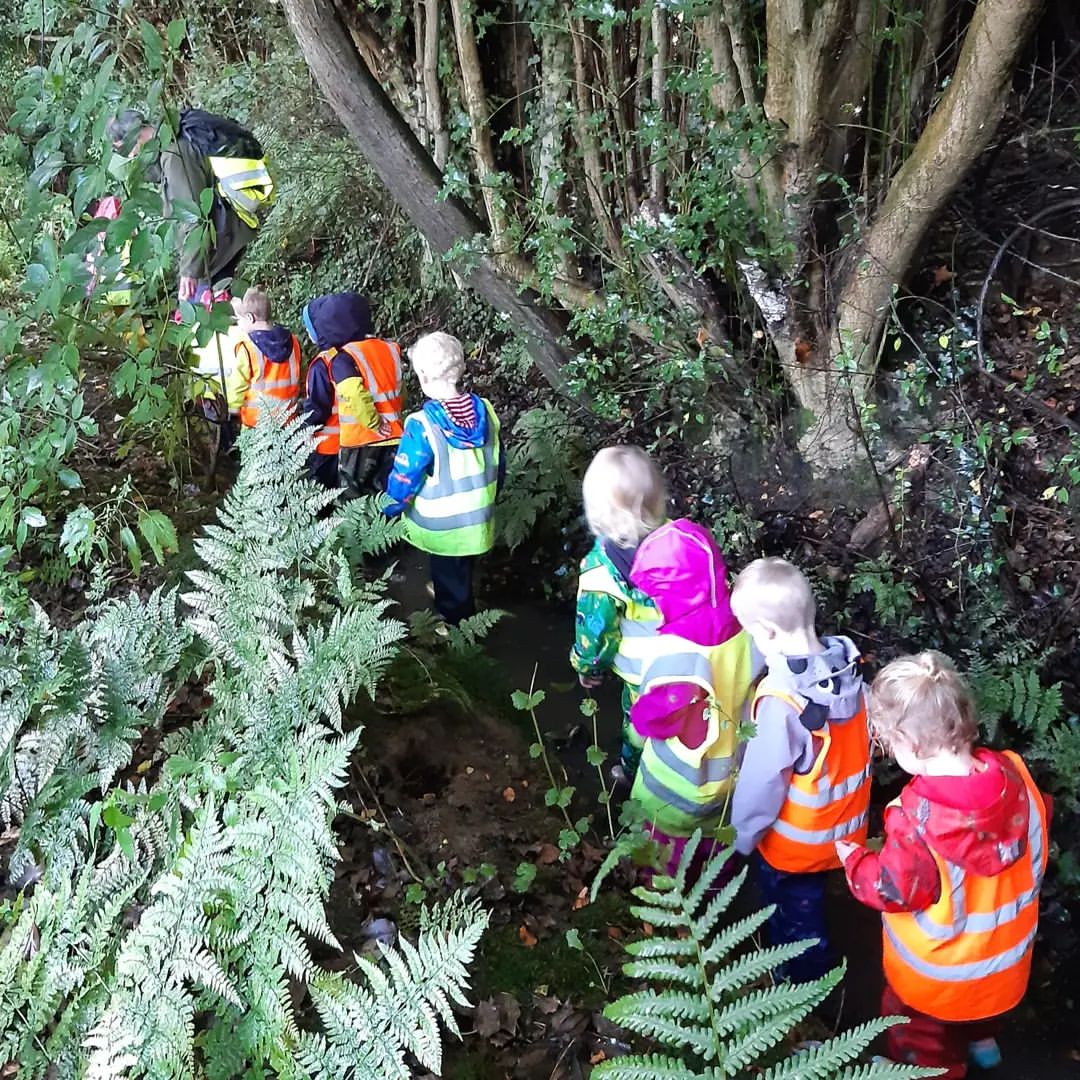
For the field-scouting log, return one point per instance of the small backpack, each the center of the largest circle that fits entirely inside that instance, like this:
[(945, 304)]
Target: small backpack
[(236, 160)]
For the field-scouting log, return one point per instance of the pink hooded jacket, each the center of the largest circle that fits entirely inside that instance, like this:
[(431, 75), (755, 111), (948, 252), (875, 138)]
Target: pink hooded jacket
[(682, 570)]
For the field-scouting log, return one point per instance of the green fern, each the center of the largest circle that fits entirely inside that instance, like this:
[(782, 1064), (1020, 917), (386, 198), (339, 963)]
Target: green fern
[(1015, 696), (714, 1006), (167, 919), (543, 474)]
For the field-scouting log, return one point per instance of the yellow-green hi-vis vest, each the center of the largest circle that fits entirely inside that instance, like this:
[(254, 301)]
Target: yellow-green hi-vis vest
[(637, 627), (454, 512), (684, 788), (245, 184)]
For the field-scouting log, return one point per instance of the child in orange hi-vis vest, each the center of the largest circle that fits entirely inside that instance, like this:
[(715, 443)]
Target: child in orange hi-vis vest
[(958, 878), (267, 362), (804, 781)]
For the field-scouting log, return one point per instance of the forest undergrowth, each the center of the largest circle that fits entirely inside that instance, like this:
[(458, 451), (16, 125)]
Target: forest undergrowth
[(957, 527)]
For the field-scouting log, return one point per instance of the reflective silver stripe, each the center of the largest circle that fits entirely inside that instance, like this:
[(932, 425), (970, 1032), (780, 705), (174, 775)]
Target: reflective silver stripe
[(627, 665), (673, 798), (441, 482), (711, 770), (480, 516), (976, 969), (980, 922), (261, 174), (820, 836), (636, 628), (680, 666), (830, 793)]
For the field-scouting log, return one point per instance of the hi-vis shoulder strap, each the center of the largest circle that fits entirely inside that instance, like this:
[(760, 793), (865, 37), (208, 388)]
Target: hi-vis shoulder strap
[(245, 184)]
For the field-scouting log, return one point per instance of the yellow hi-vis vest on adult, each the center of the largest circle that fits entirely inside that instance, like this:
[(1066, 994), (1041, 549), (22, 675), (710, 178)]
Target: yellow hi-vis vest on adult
[(968, 956), (684, 789), (830, 802), (637, 627), (454, 512), (245, 184)]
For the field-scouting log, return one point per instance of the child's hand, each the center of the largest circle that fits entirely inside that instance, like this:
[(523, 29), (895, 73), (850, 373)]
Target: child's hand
[(844, 848), (590, 682)]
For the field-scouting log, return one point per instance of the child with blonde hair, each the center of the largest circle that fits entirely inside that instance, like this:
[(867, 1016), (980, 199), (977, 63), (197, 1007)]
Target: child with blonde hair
[(267, 361), (448, 469), (805, 776), (625, 500), (958, 878)]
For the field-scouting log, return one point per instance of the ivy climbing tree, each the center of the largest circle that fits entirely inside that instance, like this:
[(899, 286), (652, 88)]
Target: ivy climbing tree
[(671, 172)]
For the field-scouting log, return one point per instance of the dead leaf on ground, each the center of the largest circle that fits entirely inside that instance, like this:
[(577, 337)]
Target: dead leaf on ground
[(487, 1018), (527, 937), (548, 854), (509, 1012), (581, 900)]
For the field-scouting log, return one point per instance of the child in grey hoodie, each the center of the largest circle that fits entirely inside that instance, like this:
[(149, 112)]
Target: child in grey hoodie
[(805, 776)]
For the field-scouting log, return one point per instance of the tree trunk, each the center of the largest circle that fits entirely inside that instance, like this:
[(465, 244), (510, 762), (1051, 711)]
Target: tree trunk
[(472, 79), (658, 162), (436, 124), (956, 133), (400, 161)]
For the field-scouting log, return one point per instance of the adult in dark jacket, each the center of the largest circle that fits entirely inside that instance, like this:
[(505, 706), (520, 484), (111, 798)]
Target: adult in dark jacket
[(184, 174)]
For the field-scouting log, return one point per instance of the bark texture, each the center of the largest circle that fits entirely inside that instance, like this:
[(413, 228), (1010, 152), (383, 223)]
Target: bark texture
[(404, 166)]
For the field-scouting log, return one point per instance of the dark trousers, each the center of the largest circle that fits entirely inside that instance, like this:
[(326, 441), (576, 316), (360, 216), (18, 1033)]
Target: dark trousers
[(452, 577), (799, 914), (364, 470), (925, 1040), (323, 469)]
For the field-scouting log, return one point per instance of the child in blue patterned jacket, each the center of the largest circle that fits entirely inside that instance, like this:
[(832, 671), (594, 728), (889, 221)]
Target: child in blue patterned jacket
[(447, 472)]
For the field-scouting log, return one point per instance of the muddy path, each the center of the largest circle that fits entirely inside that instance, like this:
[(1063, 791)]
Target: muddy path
[(539, 1002)]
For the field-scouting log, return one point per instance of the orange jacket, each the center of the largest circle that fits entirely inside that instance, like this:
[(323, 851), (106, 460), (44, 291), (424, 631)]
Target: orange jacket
[(278, 381), (379, 363), (830, 802), (968, 955)]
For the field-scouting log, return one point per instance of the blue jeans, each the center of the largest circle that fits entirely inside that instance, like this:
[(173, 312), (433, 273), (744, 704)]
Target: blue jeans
[(799, 914)]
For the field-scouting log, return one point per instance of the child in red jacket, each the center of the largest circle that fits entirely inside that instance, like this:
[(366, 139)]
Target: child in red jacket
[(958, 878)]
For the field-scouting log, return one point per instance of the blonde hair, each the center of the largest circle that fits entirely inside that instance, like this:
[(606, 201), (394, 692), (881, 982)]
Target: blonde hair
[(439, 362), (773, 590), (925, 700), (255, 304), (625, 495)]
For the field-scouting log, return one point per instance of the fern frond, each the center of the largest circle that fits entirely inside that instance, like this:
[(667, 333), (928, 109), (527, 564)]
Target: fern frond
[(645, 1067), (821, 1062), (887, 1070), (714, 1007)]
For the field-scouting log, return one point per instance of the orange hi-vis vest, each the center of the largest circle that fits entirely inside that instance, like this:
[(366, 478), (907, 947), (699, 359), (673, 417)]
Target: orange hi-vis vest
[(968, 956), (830, 802), (279, 381), (379, 363)]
